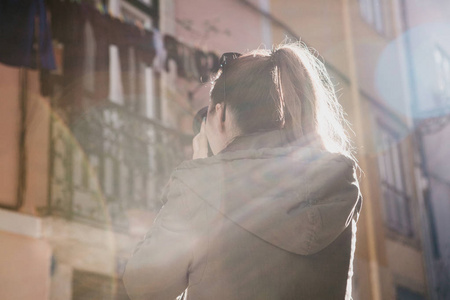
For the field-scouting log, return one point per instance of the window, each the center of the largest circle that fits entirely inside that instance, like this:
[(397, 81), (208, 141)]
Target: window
[(147, 2), (131, 81), (442, 65), (134, 11), (132, 14), (372, 12), (407, 294), (395, 198)]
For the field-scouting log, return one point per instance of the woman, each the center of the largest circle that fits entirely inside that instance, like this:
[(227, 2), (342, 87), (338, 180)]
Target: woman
[(272, 214)]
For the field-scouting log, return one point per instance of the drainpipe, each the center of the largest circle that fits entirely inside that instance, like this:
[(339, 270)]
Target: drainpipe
[(21, 179), (374, 272)]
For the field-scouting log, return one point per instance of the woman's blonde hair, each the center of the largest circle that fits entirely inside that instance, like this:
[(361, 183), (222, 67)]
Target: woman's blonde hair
[(288, 88)]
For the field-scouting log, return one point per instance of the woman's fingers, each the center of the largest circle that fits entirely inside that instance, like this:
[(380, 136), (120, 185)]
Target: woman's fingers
[(200, 144)]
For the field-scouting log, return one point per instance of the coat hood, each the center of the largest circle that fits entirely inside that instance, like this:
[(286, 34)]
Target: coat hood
[(298, 198)]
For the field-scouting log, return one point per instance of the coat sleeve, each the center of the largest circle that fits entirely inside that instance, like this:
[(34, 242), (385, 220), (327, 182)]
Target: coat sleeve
[(159, 266)]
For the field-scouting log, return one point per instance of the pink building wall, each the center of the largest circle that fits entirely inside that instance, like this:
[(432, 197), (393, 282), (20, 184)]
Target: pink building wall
[(219, 26), (238, 27), (9, 134), (24, 267)]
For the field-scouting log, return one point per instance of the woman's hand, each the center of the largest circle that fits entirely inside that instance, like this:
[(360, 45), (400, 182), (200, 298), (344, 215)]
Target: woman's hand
[(200, 144)]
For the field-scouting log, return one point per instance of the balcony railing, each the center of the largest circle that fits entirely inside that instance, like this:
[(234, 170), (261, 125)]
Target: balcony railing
[(110, 161)]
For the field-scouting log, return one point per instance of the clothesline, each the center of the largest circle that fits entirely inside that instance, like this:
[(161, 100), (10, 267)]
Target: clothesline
[(67, 20), (21, 47)]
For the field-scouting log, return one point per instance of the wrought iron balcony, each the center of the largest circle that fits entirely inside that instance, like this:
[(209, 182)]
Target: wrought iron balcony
[(108, 161)]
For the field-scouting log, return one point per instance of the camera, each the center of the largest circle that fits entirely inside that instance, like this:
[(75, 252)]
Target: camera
[(200, 116), (198, 119)]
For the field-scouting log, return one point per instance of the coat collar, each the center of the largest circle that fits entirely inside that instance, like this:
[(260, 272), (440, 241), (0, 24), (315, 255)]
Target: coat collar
[(268, 139)]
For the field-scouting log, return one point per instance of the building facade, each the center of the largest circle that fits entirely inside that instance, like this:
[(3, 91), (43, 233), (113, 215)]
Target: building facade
[(427, 46), (361, 41), (89, 145)]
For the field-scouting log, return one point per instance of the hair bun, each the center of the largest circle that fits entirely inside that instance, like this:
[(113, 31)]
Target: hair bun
[(274, 56)]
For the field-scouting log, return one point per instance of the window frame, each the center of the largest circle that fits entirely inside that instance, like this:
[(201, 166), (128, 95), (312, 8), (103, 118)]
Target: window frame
[(373, 13), (397, 209), (442, 71)]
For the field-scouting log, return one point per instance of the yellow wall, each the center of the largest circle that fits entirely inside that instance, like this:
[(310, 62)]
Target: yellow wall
[(353, 47)]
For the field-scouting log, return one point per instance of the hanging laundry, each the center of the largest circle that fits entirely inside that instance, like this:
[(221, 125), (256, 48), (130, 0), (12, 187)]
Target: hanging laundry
[(201, 62), (70, 19), (207, 64), (127, 35), (213, 62), (160, 51), (20, 45), (181, 65), (189, 63), (174, 52), (146, 49)]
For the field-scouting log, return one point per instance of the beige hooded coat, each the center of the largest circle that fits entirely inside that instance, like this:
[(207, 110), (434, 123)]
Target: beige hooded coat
[(261, 220)]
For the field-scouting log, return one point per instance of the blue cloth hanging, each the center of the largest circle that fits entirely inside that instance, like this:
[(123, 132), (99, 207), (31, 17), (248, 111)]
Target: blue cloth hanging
[(17, 34)]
